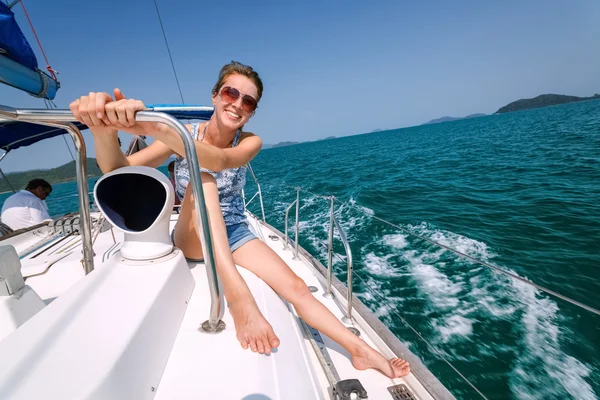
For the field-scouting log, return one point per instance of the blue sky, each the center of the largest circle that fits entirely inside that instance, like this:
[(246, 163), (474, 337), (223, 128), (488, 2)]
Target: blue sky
[(330, 68)]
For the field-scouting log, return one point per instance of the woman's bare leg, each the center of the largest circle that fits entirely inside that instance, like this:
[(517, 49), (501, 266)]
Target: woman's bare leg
[(267, 265), (252, 329)]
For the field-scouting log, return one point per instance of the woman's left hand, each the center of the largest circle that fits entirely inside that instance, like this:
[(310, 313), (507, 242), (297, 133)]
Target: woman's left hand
[(121, 114)]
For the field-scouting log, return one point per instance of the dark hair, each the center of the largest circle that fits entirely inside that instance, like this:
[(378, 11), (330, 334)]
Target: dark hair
[(171, 166), (36, 183), (237, 68)]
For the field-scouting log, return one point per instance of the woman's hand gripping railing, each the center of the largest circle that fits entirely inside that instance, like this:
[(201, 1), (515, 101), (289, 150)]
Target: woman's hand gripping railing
[(63, 119), (287, 210), (333, 222)]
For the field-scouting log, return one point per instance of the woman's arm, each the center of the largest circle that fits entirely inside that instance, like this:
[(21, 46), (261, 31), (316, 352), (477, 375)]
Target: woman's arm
[(209, 156), (110, 156), (121, 114), (104, 116), (90, 110)]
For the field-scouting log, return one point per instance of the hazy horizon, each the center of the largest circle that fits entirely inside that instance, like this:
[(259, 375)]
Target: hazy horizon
[(328, 69)]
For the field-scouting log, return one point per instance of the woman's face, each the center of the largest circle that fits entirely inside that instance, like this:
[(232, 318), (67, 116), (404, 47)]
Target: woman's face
[(234, 114)]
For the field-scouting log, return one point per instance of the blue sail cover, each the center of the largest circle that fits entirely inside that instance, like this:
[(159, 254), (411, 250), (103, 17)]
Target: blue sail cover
[(12, 40), (18, 65), (18, 134)]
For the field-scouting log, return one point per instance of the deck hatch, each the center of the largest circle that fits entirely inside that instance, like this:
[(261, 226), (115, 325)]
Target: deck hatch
[(401, 392)]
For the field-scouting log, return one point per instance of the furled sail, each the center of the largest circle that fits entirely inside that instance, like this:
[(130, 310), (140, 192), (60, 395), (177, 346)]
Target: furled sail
[(18, 65)]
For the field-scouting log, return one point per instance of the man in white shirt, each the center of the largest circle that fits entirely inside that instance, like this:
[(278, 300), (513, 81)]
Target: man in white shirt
[(27, 207)]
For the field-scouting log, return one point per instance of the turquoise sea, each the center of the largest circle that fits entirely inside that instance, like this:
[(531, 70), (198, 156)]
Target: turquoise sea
[(518, 190)]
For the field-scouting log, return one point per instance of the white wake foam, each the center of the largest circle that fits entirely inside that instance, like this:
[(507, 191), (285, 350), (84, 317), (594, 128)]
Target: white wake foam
[(462, 293), (473, 290), (541, 343)]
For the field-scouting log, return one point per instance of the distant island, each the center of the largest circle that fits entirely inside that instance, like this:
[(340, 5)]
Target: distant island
[(543, 100), (64, 173), (446, 119), (282, 144)]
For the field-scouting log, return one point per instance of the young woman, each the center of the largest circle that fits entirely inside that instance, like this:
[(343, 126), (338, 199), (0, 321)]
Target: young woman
[(223, 150)]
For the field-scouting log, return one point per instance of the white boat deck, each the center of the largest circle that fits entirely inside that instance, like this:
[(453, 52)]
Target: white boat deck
[(292, 372), (203, 365), (64, 255)]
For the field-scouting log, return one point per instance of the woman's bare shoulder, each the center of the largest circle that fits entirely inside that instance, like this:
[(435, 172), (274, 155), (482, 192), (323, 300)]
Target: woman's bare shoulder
[(246, 134)]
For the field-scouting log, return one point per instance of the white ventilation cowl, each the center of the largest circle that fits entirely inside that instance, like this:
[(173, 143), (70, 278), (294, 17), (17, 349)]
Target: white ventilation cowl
[(138, 201)]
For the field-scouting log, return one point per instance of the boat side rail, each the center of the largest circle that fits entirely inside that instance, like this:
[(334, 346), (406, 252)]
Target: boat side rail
[(64, 119), (334, 223), (398, 348), (287, 210), (497, 269)]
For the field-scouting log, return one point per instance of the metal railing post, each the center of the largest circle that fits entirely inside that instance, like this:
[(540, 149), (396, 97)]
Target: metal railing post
[(84, 199), (328, 293), (214, 323), (61, 120), (348, 318), (262, 206), (287, 210), (297, 221)]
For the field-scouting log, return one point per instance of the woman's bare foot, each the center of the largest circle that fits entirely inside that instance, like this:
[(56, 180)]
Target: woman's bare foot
[(252, 329), (366, 357)]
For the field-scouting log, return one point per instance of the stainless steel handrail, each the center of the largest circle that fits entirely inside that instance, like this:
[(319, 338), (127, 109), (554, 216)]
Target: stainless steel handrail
[(348, 318), (333, 222), (287, 210), (259, 192), (328, 293), (59, 117)]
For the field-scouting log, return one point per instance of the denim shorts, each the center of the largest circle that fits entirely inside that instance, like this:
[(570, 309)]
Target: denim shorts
[(237, 235)]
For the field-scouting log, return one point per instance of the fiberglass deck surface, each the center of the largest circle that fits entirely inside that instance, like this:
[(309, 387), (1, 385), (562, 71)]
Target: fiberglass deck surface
[(205, 365)]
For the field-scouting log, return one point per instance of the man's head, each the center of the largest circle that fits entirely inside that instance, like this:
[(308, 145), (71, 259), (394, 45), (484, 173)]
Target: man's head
[(40, 188)]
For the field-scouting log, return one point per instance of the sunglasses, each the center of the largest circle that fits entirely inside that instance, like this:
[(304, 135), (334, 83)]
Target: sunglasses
[(230, 95)]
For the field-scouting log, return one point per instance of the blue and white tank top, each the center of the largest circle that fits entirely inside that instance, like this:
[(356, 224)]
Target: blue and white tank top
[(230, 182)]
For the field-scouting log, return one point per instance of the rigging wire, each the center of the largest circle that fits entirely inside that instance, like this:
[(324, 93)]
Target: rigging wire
[(48, 67), (68, 148), (51, 105), (459, 253), (169, 51), (493, 267), (463, 255)]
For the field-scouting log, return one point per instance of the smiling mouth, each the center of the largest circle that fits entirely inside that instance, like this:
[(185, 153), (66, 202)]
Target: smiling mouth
[(233, 115)]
